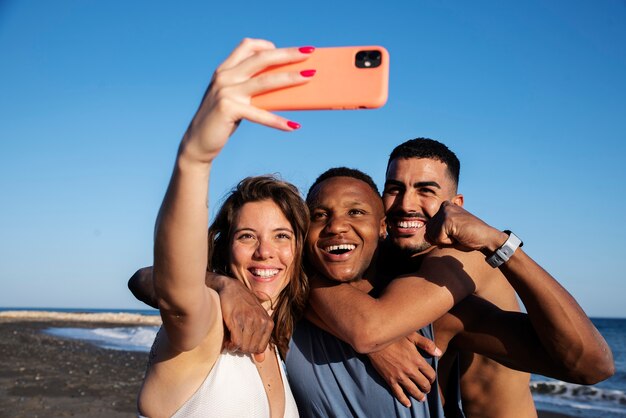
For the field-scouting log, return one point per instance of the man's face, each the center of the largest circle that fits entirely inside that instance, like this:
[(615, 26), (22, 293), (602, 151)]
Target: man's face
[(347, 220), (414, 191)]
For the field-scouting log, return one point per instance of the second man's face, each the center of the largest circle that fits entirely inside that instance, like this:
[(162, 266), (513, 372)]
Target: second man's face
[(414, 191), (347, 221)]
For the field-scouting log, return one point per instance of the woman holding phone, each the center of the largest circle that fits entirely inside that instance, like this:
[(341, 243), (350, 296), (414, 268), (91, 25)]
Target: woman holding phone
[(257, 238)]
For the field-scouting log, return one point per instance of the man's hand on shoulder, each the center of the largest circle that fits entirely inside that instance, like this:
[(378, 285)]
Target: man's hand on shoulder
[(248, 324), (404, 369)]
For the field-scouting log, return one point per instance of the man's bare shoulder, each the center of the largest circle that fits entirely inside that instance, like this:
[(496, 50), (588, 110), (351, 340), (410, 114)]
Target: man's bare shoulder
[(461, 264), (489, 283)]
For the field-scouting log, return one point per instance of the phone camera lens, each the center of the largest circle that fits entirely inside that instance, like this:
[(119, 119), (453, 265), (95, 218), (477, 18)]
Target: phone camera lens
[(368, 59)]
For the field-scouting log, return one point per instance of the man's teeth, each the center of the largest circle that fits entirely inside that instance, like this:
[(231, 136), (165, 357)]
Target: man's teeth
[(265, 272), (340, 247), (410, 224)]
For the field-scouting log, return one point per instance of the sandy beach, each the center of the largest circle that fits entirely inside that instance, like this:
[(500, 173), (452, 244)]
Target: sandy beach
[(45, 376)]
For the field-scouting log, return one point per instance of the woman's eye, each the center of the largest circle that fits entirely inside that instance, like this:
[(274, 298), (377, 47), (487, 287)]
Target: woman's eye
[(283, 236), (244, 237)]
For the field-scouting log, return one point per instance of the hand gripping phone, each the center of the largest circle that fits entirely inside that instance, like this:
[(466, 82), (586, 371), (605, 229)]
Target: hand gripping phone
[(353, 77)]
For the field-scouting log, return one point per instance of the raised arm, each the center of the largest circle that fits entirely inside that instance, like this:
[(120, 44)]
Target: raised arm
[(565, 342), (187, 307)]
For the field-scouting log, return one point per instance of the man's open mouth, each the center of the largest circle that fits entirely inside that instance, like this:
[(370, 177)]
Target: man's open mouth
[(339, 249)]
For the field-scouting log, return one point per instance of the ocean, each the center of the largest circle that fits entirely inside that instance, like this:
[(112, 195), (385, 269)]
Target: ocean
[(604, 400)]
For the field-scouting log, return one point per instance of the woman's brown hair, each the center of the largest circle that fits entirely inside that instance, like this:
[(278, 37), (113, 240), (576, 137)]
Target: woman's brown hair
[(291, 302)]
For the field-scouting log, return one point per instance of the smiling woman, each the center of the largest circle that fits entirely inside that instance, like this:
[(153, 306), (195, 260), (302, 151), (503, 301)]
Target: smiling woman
[(262, 249), (257, 238)]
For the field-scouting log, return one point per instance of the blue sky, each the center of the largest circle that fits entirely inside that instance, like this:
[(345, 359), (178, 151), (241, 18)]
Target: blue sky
[(94, 97)]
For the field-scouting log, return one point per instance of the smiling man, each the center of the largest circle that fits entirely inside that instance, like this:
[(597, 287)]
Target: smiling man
[(328, 377), (421, 174)]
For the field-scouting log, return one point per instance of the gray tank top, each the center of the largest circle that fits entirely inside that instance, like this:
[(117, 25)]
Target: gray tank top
[(329, 379)]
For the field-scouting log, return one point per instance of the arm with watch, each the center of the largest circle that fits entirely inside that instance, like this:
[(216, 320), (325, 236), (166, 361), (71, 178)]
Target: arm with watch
[(555, 338)]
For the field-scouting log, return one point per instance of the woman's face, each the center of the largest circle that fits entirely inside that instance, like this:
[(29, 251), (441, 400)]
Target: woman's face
[(262, 248)]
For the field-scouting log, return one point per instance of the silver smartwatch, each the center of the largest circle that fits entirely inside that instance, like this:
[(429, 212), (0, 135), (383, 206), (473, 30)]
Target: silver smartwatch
[(502, 254)]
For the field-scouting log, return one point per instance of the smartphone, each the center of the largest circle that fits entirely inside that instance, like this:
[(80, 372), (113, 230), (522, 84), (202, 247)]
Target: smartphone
[(352, 77)]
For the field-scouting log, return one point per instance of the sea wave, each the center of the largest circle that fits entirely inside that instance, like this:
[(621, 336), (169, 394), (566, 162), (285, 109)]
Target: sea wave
[(578, 392), (120, 338)]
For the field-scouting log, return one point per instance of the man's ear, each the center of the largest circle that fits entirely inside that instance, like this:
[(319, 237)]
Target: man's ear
[(458, 200), (383, 228)]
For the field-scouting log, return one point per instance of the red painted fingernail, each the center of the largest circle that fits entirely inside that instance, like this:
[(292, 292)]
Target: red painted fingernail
[(293, 125), (307, 73), (306, 49)]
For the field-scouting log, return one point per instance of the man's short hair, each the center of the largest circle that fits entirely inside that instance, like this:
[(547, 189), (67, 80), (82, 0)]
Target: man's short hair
[(342, 172), (431, 149)]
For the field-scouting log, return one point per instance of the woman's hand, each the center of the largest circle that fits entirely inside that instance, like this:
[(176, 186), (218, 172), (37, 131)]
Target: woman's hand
[(227, 99)]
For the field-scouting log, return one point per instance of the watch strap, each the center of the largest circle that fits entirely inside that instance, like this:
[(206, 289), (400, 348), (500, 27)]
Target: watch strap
[(506, 250)]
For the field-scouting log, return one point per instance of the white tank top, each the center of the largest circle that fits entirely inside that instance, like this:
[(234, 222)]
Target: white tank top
[(234, 388)]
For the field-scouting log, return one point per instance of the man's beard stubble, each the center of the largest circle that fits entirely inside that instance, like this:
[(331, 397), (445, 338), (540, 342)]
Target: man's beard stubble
[(409, 250)]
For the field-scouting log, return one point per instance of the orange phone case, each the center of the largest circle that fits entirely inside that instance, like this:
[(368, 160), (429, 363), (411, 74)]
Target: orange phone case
[(337, 84)]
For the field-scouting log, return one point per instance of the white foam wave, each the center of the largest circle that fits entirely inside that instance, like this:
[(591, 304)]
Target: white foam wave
[(556, 389), (138, 336), (122, 338)]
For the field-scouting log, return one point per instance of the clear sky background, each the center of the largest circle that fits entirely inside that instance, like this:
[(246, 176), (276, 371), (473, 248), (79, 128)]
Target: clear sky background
[(95, 95)]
